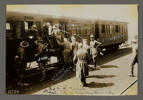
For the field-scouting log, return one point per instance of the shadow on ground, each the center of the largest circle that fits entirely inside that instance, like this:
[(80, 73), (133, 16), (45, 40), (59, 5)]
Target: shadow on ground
[(101, 76), (99, 85), (93, 69), (35, 85), (109, 66)]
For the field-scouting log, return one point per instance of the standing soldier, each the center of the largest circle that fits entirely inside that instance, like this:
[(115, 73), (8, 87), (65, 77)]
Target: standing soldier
[(81, 59), (87, 48), (58, 34), (66, 52), (85, 45), (55, 29), (32, 33), (74, 45), (42, 57), (31, 39), (133, 63), (94, 49), (135, 55), (47, 30)]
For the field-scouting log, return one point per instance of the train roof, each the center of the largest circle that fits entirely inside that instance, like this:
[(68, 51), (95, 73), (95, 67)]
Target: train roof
[(11, 15)]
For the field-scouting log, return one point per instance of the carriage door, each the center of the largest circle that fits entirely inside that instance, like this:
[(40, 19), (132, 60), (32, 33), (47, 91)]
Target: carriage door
[(96, 31), (19, 29), (27, 26)]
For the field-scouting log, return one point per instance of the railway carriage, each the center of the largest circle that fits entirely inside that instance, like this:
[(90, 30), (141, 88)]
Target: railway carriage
[(110, 33), (17, 27)]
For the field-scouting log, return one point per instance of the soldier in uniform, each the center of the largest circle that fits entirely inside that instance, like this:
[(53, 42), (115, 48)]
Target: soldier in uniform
[(32, 32), (55, 29), (58, 34), (74, 45), (31, 38), (85, 45), (81, 59), (47, 30), (94, 49), (135, 60), (87, 48), (66, 52), (135, 55), (42, 57)]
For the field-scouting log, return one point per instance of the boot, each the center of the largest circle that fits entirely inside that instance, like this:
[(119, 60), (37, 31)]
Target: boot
[(132, 71)]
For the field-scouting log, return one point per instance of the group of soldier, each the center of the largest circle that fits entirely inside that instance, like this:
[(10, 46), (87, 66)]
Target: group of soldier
[(75, 55), (84, 55)]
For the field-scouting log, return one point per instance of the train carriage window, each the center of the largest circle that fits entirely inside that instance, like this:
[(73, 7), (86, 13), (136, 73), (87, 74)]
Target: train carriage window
[(108, 28), (114, 28), (97, 31), (8, 26), (125, 28), (92, 28), (38, 25), (121, 28), (103, 28), (117, 28), (10, 30), (111, 29), (27, 25)]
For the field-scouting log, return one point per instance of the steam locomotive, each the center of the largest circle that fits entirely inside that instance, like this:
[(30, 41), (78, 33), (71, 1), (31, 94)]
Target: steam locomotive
[(110, 33)]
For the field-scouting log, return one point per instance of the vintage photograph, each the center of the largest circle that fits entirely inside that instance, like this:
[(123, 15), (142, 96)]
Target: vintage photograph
[(72, 49)]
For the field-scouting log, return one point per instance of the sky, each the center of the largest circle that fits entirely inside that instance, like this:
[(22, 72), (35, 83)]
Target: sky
[(127, 13)]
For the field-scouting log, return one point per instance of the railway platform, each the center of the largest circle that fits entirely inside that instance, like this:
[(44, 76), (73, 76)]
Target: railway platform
[(112, 79)]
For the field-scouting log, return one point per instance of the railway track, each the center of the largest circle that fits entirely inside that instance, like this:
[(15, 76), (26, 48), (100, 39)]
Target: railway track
[(130, 89)]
